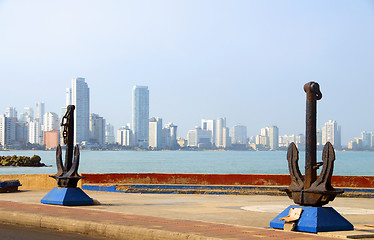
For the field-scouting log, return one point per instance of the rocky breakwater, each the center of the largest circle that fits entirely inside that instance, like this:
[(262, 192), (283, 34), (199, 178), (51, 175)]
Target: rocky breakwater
[(21, 161)]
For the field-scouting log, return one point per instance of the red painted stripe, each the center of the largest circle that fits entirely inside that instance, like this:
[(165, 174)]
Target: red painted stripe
[(217, 179)]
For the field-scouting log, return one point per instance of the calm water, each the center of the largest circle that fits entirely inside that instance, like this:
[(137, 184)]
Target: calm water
[(230, 162)]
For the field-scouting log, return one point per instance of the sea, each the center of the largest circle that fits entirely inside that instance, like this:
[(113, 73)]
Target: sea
[(209, 162)]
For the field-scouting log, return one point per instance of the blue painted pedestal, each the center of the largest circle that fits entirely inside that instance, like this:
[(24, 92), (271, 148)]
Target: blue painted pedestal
[(315, 219), (67, 197)]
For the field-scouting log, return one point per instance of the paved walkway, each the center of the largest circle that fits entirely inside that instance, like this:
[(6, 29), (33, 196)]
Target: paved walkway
[(174, 216)]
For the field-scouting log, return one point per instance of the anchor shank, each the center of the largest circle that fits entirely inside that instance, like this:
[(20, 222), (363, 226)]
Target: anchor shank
[(69, 138), (312, 95)]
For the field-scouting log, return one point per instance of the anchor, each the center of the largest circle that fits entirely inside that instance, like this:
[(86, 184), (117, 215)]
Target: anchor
[(67, 177), (312, 192)]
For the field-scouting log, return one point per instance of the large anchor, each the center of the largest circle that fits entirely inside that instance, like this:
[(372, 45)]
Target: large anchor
[(67, 176), (311, 191)]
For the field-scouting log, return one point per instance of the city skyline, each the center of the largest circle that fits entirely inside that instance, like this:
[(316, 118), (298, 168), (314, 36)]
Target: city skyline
[(215, 132), (246, 61)]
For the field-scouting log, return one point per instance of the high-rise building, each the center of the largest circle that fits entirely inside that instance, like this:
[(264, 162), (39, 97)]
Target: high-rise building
[(209, 125), (109, 134), (273, 133), (35, 132), (169, 136), (366, 139), (22, 133), (155, 133), (269, 137), (69, 96), (125, 137), (51, 139), (299, 140), (2, 130), (80, 98), (40, 110), (8, 131), (97, 129), (140, 116), (51, 122), (331, 132), (27, 115), (11, 112), (238, 134), (220, 124), (223, 139), (199, 138)]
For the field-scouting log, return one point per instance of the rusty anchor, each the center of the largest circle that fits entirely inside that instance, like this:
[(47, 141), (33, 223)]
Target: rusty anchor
[(67, 175), (67, 193), (311, 190)]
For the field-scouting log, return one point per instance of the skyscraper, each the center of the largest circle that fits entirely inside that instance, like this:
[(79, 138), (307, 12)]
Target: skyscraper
[(273, 133), (97, 129), (140, 115), (51, 122), (209, 125), (80, 98), (109, 134), (269, 137), (238, 134), (125, 136), (223, 139), (39, 112), (331, 132), (11, 112), (155, 133)]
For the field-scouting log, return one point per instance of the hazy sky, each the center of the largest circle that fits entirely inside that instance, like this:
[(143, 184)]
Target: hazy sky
[(244, 60)]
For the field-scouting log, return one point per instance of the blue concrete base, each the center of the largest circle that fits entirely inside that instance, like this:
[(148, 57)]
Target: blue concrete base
[(67, 197), (315, 219)]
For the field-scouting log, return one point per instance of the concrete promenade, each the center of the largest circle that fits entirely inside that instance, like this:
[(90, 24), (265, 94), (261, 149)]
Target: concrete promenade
[(176, 216)]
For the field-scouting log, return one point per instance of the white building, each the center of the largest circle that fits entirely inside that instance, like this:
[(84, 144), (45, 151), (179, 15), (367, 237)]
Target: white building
[(199, 137), (40, 110), (2, 130), (109, 134), (209, 125), (331, 132), (269, 137), (155, 133), (299, 140), (140, 115), (223, 139), (27, 115), (80, 98), (125, 137), (35, 132), (51, 122), (238, 134), (366, 139), (11, 112), (262, 140), (169, 136), (97, 129), (273, 133)]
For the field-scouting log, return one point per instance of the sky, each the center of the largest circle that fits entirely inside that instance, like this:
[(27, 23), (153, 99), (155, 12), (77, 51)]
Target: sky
[(246, 60)]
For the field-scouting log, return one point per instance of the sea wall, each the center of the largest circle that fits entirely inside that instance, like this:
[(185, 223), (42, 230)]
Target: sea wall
[(218, 179), (44, 182), (34, 181)]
